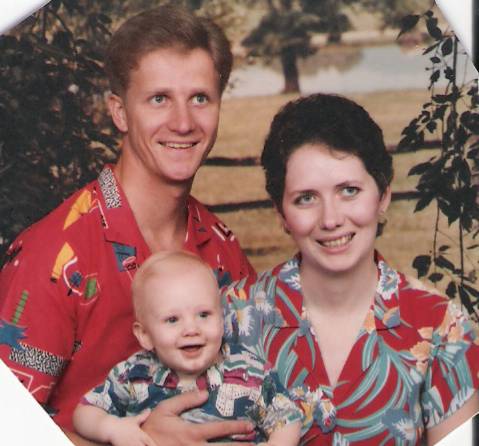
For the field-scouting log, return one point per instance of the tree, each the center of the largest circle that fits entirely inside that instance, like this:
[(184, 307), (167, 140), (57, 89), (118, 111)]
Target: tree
[(50, 142), (55, 134), (287, 28), (446, 181)]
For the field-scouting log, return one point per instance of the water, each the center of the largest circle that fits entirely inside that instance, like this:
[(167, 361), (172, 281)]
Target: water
[(348, 70)]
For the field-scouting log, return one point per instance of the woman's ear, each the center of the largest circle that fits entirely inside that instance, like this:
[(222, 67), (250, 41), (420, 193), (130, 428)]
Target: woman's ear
[(143, 337), (118, 113), (385, 200), (282, 220)]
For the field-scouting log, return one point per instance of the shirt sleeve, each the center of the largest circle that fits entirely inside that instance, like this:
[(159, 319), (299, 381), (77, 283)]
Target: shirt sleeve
[(453, 373), (37, 316), (279, 409), (113, 395)]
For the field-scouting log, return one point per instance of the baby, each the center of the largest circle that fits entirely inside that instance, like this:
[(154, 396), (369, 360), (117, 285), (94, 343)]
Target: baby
[(179, 324)]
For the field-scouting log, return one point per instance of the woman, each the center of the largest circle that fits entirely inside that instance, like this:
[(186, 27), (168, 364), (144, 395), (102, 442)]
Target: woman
[(370, 358)]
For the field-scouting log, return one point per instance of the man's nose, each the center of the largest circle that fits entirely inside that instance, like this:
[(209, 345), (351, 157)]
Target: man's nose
[(181, 120)]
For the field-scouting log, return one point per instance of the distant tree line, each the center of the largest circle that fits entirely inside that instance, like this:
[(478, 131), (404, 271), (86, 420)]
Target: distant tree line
[(54, 134)]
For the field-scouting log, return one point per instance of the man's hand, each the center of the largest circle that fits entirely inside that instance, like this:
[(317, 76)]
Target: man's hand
[(166, 427)]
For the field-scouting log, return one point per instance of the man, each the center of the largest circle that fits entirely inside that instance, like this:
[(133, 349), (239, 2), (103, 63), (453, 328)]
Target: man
[(65, 305)]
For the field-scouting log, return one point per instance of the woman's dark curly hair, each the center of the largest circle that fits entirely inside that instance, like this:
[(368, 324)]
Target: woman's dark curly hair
[(327, 119)]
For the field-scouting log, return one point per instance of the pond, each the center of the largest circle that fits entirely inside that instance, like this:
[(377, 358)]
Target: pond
[(345, 70)]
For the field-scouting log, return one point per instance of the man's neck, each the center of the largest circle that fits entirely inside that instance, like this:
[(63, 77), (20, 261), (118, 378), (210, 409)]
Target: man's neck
[(160, 209)]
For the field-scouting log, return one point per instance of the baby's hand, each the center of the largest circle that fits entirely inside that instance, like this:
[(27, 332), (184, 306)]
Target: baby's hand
[(127, 431)]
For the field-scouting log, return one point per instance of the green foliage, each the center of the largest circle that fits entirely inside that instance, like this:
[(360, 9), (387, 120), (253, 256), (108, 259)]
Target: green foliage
[(447, 181), (394, 12), (51, 140), (55, 134)]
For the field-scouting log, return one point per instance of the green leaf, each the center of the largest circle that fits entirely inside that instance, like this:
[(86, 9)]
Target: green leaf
[(423, 202), (451, 290), (419, 169), (472, 291), (422, 263), (435, 277), (465, 299), (435, 76), (430, 48), (407, 23), (432, 28), (431, 126), (446, 47), (449, 74), (442, 262)]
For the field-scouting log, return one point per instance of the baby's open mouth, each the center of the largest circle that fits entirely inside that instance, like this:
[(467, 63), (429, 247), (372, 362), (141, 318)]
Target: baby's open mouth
[(191, 348)]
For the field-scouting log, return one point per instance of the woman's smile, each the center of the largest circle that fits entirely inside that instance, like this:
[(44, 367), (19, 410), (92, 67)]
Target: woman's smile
[(331, 206)]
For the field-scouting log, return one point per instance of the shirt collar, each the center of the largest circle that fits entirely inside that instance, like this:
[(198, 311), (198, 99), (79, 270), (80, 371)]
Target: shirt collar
[(213, 377), (384, 313), (119, 223)]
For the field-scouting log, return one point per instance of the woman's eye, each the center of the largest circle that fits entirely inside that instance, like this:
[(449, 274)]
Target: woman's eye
[(171, 320), (350, 191), (200, 99), (204, 314), (306, 198)]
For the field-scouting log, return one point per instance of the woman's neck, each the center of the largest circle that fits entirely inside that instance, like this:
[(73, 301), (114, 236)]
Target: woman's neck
[(345, 291)]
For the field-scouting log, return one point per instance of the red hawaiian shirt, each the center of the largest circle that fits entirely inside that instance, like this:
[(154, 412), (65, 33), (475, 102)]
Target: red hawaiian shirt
[(65, 306), (415, 360)]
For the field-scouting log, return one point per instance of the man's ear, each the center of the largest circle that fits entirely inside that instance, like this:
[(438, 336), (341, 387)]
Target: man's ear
[(142, 336), (118, 113)]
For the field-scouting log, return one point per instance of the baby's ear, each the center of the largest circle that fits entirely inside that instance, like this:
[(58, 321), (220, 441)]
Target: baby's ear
[(142, 336)]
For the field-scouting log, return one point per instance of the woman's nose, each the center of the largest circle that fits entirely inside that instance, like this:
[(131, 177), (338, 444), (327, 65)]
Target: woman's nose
[(331, 215)]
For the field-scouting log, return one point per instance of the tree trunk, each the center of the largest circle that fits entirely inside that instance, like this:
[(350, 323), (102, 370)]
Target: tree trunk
[(290, 70)]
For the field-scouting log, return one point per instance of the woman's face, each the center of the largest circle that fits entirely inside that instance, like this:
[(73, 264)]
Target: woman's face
[(331, 206)]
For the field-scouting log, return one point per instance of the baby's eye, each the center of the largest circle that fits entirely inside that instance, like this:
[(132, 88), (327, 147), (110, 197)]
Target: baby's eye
[(158, 99), (200, 99), (350, 191), (306, 198), (204, 314), (171, 320)]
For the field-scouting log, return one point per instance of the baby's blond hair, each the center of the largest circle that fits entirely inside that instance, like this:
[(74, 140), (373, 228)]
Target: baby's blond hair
[(162, 263)]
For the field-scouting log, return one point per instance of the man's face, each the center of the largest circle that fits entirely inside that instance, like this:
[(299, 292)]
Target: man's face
[(168, 114)]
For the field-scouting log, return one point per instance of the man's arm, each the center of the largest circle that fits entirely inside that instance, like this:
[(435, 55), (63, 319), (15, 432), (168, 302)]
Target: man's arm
[(470, 408), (288, 435), (166, 427)]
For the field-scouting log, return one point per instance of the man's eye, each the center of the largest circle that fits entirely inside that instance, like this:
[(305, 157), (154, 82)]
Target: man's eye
[(171, 320), (158, 99), (200, 99), (350, 191)]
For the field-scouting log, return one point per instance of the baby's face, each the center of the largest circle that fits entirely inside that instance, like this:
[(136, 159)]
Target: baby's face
[(184, 321)]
